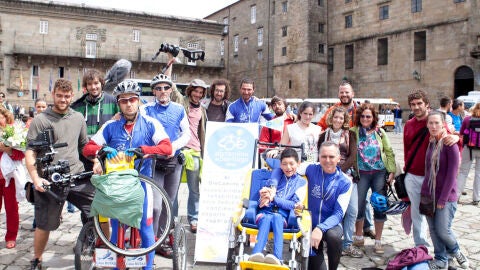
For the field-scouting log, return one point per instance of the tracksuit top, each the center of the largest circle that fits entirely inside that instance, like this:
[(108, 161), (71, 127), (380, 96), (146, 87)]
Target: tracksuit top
[(241, 112)]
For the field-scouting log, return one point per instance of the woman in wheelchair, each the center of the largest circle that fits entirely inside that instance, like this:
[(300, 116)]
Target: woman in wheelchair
[(284, 191)]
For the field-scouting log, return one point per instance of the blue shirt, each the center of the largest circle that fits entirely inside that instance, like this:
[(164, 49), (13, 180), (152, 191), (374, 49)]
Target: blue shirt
[(250, 112)]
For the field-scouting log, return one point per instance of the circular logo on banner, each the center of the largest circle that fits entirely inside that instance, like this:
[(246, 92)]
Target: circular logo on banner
[(229, 147)]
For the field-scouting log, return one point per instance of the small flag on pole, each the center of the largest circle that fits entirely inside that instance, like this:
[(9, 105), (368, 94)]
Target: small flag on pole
[(276, 123), (78, 80), (50, 82), (21, 80)]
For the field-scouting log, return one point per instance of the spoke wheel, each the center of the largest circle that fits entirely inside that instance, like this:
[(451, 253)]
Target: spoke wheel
[(85, 247), (179, 248)]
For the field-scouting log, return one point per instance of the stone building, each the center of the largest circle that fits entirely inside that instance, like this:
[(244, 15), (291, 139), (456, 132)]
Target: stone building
[(43, 41), (385, 48)]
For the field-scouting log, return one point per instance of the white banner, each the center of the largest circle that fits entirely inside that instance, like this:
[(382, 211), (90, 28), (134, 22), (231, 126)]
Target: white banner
[(228, 157)]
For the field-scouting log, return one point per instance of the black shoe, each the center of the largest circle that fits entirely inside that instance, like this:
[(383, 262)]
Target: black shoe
[(35, 264), (164, 250), (369, 233)]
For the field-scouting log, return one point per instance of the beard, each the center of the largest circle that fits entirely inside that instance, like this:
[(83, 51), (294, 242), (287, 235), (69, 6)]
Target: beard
[(348, 102)]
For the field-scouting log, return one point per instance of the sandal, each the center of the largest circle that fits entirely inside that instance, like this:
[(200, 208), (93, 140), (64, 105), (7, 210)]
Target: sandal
[(11, 244)]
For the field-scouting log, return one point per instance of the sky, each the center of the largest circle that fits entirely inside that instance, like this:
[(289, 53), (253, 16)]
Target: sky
[(184, 8)]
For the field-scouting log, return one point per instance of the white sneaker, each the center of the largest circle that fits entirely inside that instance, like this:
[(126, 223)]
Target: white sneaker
[(257, 257), (271, 259), (461, 260)]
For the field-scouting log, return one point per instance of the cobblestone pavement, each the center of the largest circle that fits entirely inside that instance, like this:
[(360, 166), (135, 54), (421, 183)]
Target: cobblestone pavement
[(59, 252)]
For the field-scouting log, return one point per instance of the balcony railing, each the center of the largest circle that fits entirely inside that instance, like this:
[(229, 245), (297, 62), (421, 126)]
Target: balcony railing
[(132, 55)]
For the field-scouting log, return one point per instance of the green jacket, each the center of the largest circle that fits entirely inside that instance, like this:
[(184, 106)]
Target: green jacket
[(386, 150)]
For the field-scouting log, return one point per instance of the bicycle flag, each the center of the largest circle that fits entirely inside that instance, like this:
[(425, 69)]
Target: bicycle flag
[(276, 123)]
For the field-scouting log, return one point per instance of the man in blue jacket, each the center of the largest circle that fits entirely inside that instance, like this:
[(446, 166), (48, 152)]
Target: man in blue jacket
[(329, 191)]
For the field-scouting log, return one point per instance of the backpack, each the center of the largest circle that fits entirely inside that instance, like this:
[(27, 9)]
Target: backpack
[(472, 134)]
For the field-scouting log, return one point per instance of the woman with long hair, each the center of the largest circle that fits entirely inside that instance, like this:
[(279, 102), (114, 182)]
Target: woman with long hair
[(338, 132), (439, 193), (7, 186), (468, 155), (375, 159), (302, 131)]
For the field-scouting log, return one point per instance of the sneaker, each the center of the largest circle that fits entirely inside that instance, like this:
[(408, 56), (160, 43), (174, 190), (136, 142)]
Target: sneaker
[(359, 242), (352, 251), (461, 260), (271, 259), (475, 203), (433, 264), (35, 264), (193, 226), (378, 249), (370, 234), (257, 257), (165, 250)]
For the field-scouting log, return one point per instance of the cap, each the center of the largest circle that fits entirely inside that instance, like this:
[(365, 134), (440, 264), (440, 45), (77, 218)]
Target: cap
[(199, 83)]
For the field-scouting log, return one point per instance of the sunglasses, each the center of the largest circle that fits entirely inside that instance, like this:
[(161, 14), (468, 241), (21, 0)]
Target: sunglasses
[(162, 88), (366, 116), (127, 100)]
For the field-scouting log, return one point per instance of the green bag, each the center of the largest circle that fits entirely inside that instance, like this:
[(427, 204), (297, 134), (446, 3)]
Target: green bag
[(119, 195)]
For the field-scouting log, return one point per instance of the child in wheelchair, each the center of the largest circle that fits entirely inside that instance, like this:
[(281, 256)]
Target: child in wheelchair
[(285, 191)]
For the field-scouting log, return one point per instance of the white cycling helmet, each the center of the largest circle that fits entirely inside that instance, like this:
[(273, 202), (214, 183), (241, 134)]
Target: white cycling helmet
[(161, 78), (127, 86)]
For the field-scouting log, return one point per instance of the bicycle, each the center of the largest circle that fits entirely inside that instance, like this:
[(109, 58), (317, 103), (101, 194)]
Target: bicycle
[(128, 252)]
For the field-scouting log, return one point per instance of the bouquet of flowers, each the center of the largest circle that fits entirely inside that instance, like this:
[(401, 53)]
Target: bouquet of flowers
[(15, 136)]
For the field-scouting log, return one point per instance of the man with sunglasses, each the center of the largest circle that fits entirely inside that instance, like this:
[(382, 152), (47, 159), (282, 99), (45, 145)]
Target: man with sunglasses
[(175, 121), (132, 131), (4, 103)]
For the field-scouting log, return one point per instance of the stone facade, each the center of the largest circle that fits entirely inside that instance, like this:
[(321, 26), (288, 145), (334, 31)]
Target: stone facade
[(452, 46), (80, 37)]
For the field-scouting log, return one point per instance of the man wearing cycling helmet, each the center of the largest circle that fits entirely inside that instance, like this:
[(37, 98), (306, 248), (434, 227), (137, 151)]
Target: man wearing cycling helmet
[(175, 121), (133, 131)]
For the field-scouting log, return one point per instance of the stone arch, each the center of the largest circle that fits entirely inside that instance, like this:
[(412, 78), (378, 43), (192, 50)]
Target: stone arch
[(464, 81)]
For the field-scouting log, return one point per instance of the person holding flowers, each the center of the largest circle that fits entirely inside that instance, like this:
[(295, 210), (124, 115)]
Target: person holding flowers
[(7, 186)]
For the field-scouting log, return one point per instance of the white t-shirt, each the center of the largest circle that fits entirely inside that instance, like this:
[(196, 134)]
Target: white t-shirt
[(308, 136)]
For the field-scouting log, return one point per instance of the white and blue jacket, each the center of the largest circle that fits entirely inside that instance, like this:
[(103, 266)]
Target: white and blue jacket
[(250, 112)]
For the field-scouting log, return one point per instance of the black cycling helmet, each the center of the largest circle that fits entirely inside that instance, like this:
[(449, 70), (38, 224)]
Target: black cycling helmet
[(161, 78), (127, 86)]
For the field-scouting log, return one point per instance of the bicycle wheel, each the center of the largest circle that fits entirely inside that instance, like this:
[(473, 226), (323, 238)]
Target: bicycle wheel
[(179, 256), (85, 247), (167, 206)]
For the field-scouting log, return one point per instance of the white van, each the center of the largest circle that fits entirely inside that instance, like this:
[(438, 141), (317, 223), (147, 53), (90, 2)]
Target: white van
[(470, 100)]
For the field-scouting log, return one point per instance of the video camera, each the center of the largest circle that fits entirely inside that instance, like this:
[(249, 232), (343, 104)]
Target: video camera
[(45, 148), (192, 55)]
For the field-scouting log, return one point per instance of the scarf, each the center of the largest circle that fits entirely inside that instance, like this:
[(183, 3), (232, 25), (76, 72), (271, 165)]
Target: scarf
[(435, 146)]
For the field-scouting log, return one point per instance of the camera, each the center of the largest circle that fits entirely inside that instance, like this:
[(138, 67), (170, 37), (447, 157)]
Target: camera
[(168, 48), (45, 149)]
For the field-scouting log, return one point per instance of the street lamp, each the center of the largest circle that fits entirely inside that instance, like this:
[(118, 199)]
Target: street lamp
[(416, 75)]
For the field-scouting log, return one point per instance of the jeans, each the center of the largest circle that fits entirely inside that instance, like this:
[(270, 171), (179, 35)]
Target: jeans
[(170, 181), (465, 166), (350, 218), (398, 125), (413, 184), (333, 238), (375, 181), (444, 241), (270, 220), (193, 182)]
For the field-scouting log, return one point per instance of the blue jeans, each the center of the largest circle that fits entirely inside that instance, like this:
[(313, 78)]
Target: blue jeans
[(350, 218), (270, 220), (444, 241), (398, 125), (368, 222), (375, 181), (413, 184), (193, 182)]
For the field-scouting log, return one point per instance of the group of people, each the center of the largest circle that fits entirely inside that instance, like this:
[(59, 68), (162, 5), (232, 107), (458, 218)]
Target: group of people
[(346, 154)]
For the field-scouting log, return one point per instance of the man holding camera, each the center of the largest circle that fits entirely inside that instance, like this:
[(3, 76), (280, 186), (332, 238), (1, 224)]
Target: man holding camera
[(68, 128)]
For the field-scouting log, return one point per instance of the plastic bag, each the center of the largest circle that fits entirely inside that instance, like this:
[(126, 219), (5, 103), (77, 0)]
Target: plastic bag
[(119, 195)]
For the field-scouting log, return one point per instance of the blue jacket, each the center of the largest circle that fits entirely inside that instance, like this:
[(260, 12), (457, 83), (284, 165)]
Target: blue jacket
[(328, 196), (241, 112), (147, 131), (288, 192), (173, 119)]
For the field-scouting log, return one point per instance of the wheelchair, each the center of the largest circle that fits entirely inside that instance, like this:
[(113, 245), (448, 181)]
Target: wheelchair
[(297, 233)]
